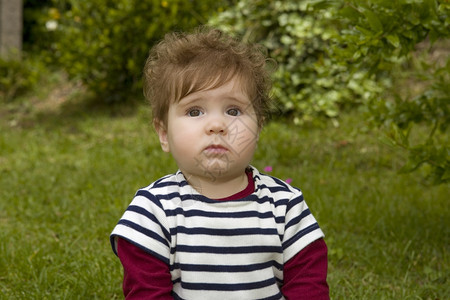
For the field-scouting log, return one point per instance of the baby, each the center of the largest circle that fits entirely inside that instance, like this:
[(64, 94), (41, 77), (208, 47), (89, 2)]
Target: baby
[(217, 228)]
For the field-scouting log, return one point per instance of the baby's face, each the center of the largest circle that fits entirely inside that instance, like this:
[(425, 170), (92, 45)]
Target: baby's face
[(212, 134)]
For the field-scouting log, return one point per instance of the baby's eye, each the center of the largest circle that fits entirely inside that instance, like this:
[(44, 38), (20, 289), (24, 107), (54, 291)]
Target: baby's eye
[(234, 112), (194, 112)]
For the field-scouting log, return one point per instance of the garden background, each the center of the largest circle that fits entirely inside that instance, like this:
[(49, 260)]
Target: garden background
[(360, 125)]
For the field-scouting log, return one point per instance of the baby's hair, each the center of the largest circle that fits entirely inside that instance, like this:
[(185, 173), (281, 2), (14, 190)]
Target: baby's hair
[(183, 63)]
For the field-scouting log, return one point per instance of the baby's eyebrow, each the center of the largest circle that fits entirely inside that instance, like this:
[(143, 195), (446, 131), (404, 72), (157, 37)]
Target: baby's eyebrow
[(240, 99), (245, 102), (188, 99)]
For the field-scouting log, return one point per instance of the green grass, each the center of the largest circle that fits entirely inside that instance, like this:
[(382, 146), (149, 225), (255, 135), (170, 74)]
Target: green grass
[(67, 175)]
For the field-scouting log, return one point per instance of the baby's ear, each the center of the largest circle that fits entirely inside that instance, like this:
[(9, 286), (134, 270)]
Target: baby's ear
[(161, 130)]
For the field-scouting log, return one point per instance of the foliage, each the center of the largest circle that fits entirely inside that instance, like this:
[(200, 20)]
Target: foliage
[(18, 74), (21, 72), (307, 82), (385, 38), (105, 43), (401, 115), (375, 34), (341, 53)]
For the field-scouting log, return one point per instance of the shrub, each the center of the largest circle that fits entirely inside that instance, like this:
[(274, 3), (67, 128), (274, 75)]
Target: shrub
[(307, 82), (337, 53), (21, 72), (388, 38), (104, 43), (18, 75)]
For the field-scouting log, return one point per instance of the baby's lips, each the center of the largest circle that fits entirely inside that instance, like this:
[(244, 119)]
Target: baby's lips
[(219, 149)]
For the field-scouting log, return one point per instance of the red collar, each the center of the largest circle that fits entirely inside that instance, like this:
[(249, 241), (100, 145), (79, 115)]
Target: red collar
[(245, 192)]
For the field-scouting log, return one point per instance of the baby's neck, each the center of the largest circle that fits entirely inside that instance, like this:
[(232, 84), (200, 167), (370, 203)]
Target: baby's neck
[(219, 187)]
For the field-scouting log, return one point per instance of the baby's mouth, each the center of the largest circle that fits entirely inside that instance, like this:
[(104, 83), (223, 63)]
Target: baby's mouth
[(215, 150)]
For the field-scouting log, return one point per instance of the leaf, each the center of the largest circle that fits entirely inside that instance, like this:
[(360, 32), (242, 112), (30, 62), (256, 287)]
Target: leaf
[(446, 175), (387, 140), (411, 165), (350, 13), (364, 31), (286, 40), (393, 40), (373, 21)]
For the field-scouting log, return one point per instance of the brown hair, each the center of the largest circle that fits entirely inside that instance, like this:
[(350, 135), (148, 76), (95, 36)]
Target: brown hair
[(183, 63)]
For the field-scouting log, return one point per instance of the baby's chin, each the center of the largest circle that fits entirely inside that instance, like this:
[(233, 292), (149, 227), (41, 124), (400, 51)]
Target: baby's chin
[(215, 172)]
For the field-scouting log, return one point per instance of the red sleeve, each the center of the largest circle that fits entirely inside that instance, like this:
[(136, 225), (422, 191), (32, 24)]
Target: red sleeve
[(305, 275), (145, 276)]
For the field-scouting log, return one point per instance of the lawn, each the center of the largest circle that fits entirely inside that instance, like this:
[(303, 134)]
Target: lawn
[(68, 171)]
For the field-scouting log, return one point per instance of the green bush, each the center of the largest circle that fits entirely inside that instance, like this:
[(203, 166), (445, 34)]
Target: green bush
[(394, 39), (18, 75), (21, 72), (332, 54), (307, 82), (104, 43)]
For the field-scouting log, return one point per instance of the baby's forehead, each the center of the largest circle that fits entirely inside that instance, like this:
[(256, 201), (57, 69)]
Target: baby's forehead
[(234, 84)]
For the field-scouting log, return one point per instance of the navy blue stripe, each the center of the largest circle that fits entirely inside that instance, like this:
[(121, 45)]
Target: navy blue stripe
[(278, 189), (201, 198), (155, 254), (210, 214), (176, 297), (160, 181), (280, 220), (227, 250), (169, 196), (144, 212), (279, 202), (294, 202), (149, 196), (177, 280), (113, 244), (300, 234), (282, 183), (224, 232), (228, 286), (231, 215), (225, 268), (266, 199), (298, 218), (169, 183), (274, 297), (144, 231), (213, 201)]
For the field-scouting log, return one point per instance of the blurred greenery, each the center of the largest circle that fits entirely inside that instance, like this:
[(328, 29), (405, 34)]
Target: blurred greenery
[(104, 43), (308, 83), (408, 43), (365, 83), (19, 74), (111, 39)]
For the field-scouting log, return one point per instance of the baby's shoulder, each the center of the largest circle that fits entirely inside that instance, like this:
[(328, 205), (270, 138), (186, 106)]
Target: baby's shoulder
[(167, 180), (160, 189), (275, 185)]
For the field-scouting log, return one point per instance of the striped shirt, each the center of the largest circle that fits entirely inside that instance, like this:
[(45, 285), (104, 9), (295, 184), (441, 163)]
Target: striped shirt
[(225, 249)]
